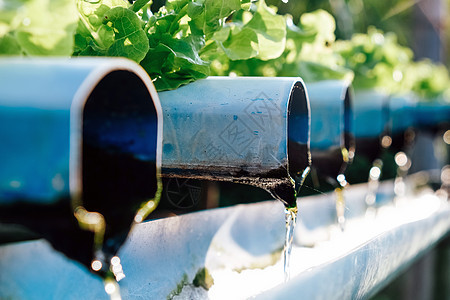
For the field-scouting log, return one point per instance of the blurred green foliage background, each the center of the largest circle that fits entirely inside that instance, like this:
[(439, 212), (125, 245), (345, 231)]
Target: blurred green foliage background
[(398, 16)]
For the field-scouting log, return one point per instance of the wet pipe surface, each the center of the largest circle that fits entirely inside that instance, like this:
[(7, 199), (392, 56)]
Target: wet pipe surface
[(104, 192)]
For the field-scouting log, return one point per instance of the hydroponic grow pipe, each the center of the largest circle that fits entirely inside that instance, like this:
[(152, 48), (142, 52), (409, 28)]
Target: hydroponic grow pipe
[(370, 126), (79, 134), (332, 137), (432, 115), (371, 121), (252, 130), (431, 123)]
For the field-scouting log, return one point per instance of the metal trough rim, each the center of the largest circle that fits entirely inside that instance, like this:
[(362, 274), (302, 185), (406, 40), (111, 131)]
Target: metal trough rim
[(183, 243)]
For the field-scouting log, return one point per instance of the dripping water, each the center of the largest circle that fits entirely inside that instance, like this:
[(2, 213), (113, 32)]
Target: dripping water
[(112, 289), (340, 201), (374, 182), (110, 270), (403, 164), (290, 214), (287, 194), (299, 180)]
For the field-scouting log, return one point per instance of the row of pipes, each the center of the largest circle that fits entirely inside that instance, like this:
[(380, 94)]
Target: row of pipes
[(91, 137)]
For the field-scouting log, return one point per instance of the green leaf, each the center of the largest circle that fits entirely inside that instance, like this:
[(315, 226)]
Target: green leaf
[(93, 37), (246, 4), (212, 17), (174, 62), (271, 31), (298, 34), (9, 45), (40, 27), (137, 5), (321, 22), (194, 10), (222, 35), (241, 44), (130, 39), (263, 36), (155, 59), (311, 71)]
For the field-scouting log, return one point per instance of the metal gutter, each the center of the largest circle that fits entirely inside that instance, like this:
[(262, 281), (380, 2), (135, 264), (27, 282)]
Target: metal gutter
[(161, 254)]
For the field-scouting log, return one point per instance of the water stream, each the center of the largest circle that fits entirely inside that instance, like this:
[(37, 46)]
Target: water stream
[(107, 266), (340, 207), (372, 186), (291, 220), (112, 289), (287, 194), (403, 163), (110, 270), (340, 201)]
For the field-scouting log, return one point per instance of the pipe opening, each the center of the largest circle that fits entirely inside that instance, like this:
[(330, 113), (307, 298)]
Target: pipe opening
[(332, 142), (299, 156), (349, 137), (119, 170)]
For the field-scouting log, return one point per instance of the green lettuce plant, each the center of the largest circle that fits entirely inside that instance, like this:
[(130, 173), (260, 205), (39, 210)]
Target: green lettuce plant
[(188, 40), (380, 62), (307, 51)]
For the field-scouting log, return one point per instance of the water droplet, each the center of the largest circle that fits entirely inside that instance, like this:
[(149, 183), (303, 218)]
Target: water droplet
[(446, 137), (110, 288), (15, 184), (397, 75), (401, 159), (386, 141), (375, 173), (96, 265), (58, 182), (115, 261)]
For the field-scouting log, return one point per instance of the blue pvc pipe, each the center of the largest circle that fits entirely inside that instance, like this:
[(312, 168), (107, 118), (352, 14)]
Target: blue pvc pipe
[(330, 117), (371, 113), (401, 113), (430, 114), (41, 124), (331, 127), (236, 129)]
